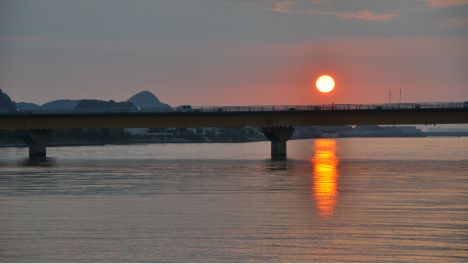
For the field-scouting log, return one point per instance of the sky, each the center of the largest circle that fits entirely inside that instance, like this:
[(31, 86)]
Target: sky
[(239, 52)]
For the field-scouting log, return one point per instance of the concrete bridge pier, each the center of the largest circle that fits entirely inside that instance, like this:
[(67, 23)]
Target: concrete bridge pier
[(37, 140), (278, 137)]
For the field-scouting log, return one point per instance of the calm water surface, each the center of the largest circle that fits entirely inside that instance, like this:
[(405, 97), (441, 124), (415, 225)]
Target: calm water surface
[(334, 200)]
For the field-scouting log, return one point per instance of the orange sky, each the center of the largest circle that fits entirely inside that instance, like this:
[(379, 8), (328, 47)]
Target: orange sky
[(235, 53)]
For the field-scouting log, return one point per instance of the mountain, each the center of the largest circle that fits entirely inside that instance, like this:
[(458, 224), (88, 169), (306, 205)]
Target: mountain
[(63, 104), (87, 104), (6, 105), (148, 100), (27, 106), (145, 100)]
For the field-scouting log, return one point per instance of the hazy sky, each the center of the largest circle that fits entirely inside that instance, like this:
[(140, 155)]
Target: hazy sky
[(221, 52)]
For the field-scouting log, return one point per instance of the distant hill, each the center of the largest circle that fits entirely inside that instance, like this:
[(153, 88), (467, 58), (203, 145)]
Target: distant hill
[(148, 100), (99, 105), (6, 104), (63, 104), (27, 106), (145, 100)]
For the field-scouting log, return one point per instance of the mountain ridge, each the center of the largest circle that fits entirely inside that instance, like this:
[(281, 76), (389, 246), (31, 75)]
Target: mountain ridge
[(6, 104), (146, 99), (143, 99)]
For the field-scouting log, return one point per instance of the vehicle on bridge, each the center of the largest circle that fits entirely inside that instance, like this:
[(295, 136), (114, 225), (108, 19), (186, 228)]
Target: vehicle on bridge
[(184, 108)]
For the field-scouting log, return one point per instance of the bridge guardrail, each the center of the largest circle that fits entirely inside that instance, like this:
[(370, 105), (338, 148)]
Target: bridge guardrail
[(330, 107), (264, 108)]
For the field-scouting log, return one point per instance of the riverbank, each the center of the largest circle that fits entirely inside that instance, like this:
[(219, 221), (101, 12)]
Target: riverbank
[(188, 141)]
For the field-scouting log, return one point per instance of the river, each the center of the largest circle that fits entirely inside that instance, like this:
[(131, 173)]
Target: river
[(334, 200)]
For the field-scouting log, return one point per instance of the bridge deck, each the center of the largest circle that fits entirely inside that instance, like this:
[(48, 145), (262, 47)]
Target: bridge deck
[(261, 116)]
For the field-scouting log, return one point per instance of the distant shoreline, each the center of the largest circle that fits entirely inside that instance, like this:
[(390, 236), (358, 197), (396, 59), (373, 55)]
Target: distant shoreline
[(81, 144)]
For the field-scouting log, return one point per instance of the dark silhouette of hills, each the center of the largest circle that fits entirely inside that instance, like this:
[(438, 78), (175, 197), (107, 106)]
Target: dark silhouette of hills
[(6, 104), (27, 106), (143, 101), (63, 104), (147, 99), (90, 104)]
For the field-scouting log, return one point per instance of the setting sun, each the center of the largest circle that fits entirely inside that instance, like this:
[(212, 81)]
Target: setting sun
[(325, 84)]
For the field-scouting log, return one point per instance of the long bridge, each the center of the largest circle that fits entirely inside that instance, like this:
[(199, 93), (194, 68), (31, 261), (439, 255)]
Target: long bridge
[(276, 122)]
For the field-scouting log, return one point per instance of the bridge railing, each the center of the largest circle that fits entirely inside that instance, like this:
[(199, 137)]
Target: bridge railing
[(329, 107), (260, 108)]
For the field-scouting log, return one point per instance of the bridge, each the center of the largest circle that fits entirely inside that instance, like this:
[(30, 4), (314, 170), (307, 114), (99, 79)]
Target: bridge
[(276, 122)]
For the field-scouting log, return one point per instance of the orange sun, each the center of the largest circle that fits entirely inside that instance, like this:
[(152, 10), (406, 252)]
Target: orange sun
[(325, 84)]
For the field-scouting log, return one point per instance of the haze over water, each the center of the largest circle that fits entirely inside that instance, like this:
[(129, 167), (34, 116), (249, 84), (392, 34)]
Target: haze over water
[(370, 200)]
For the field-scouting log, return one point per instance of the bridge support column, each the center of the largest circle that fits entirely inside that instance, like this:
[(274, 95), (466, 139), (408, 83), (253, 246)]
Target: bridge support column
[(37, 152), (37, 140), (278, 137)]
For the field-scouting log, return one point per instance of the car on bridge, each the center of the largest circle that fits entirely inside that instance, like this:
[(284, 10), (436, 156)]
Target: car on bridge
[(184, 108)]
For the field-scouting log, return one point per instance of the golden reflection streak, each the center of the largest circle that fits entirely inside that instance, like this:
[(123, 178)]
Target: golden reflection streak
[(325, 176)]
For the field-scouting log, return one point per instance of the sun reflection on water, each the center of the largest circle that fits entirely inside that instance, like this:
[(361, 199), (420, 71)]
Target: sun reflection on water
[(325, 176)]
